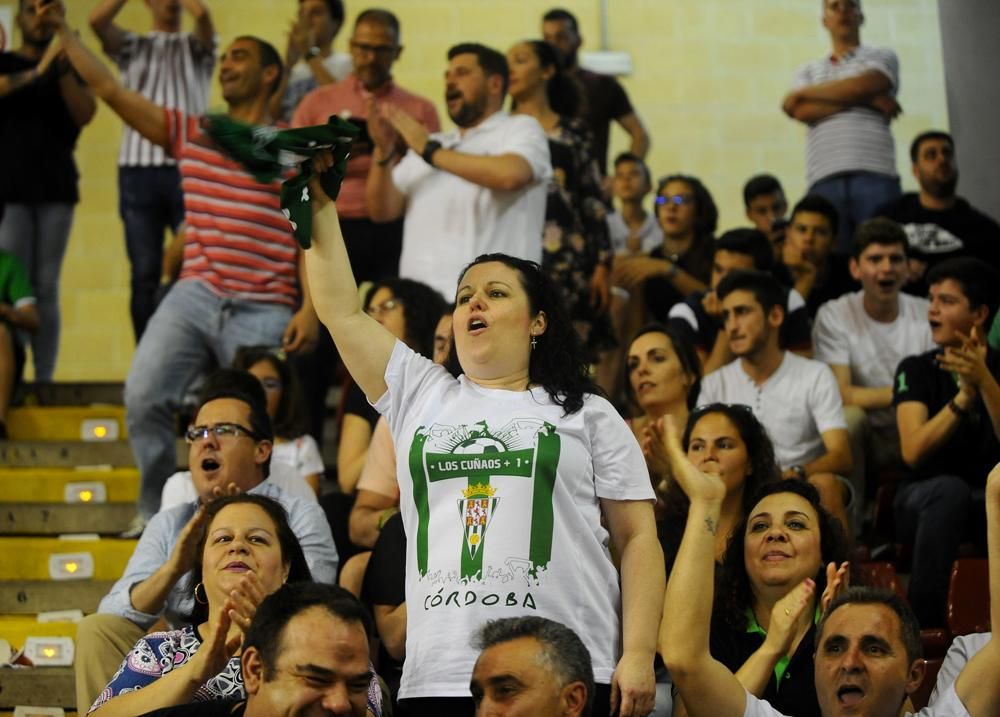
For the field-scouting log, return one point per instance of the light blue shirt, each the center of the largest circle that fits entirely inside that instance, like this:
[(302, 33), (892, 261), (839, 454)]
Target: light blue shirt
[(306, 519)]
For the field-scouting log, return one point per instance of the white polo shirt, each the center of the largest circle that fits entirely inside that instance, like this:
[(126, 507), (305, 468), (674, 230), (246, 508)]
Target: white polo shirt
[(450, 221), (797, 404)]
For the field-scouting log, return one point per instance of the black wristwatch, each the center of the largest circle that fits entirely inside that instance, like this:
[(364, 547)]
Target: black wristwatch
[(430, 148)]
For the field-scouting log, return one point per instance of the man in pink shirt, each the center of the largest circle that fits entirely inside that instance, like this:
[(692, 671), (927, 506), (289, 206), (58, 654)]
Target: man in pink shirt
[(373, 248)]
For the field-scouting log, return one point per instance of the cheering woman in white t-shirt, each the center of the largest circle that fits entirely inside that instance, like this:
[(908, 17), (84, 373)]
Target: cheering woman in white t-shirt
[(507, 478)]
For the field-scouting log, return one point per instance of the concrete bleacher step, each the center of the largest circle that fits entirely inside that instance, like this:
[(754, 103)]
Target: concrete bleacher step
[(70, 394), (38, 686), (66, 423), (17, 628), (72, 453), (30, 597), (27, 558), (60, 518)]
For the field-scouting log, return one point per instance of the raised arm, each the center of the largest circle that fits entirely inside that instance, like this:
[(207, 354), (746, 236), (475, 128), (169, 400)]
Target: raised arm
[(707, 687), (363, 343), (145, 117), (385, 201), (977, 686), (102, 22), (204, 30)]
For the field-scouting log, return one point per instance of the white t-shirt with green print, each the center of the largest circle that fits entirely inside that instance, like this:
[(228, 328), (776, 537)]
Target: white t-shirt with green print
[(500, 495)]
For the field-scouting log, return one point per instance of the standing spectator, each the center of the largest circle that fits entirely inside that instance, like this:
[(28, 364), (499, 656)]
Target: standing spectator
[(309, 57), (43, 106), (795, 398), (766, 207), (17, 314), (372, 248), (948, 413), (940, 224), (604, 99), (480, 189), (863, 336), (633, 230), (172, 69), (807, 259), (847, 100), (576, 250), (224, 299)]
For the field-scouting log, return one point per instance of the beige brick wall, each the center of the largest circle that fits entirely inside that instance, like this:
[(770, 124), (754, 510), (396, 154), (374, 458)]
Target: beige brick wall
[(708, 81)]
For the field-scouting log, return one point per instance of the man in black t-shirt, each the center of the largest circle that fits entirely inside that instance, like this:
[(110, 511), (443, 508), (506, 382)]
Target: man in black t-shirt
[(43, 106), (939, 224), (603, 98), (948, 414)]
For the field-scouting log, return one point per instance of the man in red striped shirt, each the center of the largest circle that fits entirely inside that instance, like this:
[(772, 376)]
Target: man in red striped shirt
[(240, 280)]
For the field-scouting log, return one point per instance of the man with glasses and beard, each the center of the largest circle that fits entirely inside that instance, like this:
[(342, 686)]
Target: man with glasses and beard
[(938, 223), (478, 189)]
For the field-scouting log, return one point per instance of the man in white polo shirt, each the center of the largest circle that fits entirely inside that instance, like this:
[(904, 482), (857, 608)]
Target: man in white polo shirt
[(847, 99), (478, 189), (795, 398)]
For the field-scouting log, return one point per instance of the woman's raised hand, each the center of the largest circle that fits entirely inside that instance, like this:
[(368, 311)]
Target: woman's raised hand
[(697, 485), (838, 579), (786, 614)]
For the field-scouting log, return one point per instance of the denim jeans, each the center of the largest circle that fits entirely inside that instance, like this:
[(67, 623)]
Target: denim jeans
[(149, 202), (857, 196), (37, 234), (932, 514), (192, 331)]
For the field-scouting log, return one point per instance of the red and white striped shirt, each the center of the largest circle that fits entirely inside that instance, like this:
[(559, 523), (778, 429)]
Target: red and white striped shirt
[(237, 239)]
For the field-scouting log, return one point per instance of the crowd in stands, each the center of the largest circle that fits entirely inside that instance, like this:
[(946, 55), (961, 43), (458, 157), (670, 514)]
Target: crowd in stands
[(627, 463)]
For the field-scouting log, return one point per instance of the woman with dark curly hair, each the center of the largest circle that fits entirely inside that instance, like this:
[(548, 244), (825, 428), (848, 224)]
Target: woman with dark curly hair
[(410, 310), (767, 596), (505, 474), (728, 441)]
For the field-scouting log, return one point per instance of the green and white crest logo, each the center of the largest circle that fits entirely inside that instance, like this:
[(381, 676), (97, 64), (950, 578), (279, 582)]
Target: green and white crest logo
[(523, 448)]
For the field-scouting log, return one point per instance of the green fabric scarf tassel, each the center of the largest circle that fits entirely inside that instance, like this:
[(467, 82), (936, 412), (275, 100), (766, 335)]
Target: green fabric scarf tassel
[(265, 152)]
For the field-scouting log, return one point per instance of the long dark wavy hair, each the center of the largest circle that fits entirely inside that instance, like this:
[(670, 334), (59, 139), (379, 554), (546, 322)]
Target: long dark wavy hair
[(763, 470), (733, 592), (558, 363), (291, 551), (422, 307), (561, 89)]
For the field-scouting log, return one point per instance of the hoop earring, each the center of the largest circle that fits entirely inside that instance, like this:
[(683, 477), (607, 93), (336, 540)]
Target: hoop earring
[(198, 599)]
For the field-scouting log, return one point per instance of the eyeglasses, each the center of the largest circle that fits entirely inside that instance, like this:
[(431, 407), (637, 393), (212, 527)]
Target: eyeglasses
[(717, 408), (678, 199), (377, 50), (221, 431), (270, 383), (386, 306)]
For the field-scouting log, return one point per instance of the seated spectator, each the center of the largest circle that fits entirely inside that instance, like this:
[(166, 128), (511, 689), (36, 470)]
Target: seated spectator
[(768, 592), (863, 336), (682, 264), (948, 414), (17, 313), (633, 230), (868, 655), (796, 398), (807, 262), (246, 550), (963, 648), (533, 666), (766, 207), (410, 310), (729, 441), (663, 380), (940, 224), (296, 464), (230, 451), (702, 312), (309, 57), (384, 592), (306, 652)]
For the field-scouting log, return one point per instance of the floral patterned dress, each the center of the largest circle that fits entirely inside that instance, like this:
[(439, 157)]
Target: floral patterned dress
[(575, 240)]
